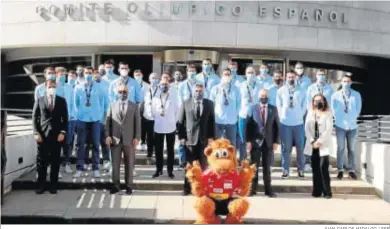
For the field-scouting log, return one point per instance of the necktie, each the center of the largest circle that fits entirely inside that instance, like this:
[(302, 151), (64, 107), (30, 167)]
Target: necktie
[(51, 106), (263, 114), (198, 110), (122, 113)]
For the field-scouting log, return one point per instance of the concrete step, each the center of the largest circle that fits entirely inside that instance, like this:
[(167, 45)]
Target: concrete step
[(144, 181), (141, 159), (98, 206)]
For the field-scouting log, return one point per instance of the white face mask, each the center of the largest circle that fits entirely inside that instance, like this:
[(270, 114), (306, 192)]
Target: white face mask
[(51, 91), (124, 72), (226, 79)]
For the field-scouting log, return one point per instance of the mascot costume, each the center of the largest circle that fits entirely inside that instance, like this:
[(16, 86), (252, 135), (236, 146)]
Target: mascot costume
[(216, 186)]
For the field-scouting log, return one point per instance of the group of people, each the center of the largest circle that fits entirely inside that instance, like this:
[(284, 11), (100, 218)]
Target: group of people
[(254, 112)]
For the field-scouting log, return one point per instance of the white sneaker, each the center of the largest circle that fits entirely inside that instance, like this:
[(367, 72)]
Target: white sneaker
[(60, 175), (96, 174), (68, 169), (307, 168), (144, 147), (106, 165), (77, 174), (134, 173), (48, 169), (139, 147)]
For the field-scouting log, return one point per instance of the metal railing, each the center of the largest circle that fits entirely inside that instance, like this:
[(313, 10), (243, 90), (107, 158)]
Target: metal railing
[(19, 121), (374, 128)]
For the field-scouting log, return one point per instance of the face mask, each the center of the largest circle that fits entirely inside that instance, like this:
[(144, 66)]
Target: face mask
[(154, 82), (206, 68), (263, 71), (88, 78), (51, 77), (110, 71), (123, 97), (98, 79), (124, 73), (102, 73), (234, 71), (321, 78), (346, 86), (177, 77), (61, 79), (278, 81), (138, 78), (198, 95), (291, 81), (319, 105), (226, 79), (164, 88), (51, 91), (191, 75), (71, 81), (264, 100), (299, 71), (250, 77)]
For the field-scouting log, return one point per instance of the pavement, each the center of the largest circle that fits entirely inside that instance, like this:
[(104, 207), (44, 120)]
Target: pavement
[(98, 206)]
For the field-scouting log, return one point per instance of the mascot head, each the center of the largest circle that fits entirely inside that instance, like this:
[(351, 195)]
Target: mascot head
[(221, 156)]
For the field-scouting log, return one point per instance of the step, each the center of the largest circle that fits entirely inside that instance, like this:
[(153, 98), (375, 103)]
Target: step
[(141, 159), (144, 181), (98, 206)]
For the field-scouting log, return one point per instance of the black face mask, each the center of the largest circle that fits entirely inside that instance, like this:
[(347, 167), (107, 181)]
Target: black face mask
[(164, 88), (263, 100), (291, 81), (319, 105), (278, 81)]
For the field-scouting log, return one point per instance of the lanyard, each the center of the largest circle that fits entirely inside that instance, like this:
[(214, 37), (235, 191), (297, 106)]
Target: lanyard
[(320, 90), (226, 96), (163, 103), (249, 91), (151, 96), (189, 89), (206, 78), (88, 94), (291, 94), (346, 101)]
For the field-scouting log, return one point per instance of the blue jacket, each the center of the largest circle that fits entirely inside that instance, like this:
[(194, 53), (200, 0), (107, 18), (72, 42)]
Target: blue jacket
[(135, 93), (94, 112), (246, 96), (186, 90), (272, 91), (315, 89), (265, 82), (291, 116), (104, 86), (226, 114), (346, 120), (209, 82), (304, 82)]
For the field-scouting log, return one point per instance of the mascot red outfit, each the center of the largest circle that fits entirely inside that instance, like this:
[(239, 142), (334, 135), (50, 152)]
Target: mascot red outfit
[(216, 186)]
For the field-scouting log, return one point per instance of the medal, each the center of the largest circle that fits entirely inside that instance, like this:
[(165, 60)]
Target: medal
[(88, 104), (226, 102), (291, 105), (162, 113), (346, 110)]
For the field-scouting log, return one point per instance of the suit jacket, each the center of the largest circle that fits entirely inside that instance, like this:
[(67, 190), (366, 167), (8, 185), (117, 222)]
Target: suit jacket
[(325, 128), (128, 128), (49, 124), (270, 133), (195, 129)]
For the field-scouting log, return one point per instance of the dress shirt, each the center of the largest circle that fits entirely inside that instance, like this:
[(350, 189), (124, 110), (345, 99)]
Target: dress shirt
[(265, 107), (265, 81), (148, 102), (291, 116), (186, 89), (272, 90), (226, 114), (124, 105), (211, 80), (92, 113), (135, 95), (110, 77), (200, 102), (346, 121), (315, 89), (304, 82), (165, 124), (49, 100), (253, 93)]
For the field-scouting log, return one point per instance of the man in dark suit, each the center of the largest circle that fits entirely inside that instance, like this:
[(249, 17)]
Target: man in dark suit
[(50, 120), (196, 128), (262, 139)]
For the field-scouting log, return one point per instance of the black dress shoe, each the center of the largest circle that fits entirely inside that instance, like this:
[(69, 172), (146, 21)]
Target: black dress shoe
[(340, 175), (129, 191), (328, 196), (352, 175), (171, 175), (186, 193), (114, 190), (53, 191), (316, 195), (271, 194), (252, 193), (40, 191), (157, 174)]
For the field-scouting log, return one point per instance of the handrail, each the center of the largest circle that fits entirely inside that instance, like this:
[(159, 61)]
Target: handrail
[(18, 110)]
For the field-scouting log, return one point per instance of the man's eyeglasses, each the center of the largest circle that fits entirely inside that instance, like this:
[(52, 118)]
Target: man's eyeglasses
[(122, 92)]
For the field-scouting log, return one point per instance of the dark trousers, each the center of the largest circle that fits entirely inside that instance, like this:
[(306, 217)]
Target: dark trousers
[(321, 178), (128, 152), (49, 153), (82, 136), (265, 152), (3, 163), (194, 153), (159, 146), (103, 145), (69, 141), (147, 132)]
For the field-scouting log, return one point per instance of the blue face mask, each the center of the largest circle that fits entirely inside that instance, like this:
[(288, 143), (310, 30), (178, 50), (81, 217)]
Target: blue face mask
[(88, 78), (191, 75), (234, 71), (321, 78), (61, 79), (102, 73), (155, 82), (71, 81), (110, 71), (206, 68), (250, 77), (346, 85), (263, 70), (51, 77)]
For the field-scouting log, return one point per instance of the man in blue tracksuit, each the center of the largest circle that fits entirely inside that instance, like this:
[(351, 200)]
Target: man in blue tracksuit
[(227, 102), (89, 108), (109, 74), (265, 80), (346, 107), (291, 104), (207, 77), (236, 79)]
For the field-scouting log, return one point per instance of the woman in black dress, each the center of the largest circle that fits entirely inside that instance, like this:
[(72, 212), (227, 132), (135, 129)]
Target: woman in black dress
[(318, 130)]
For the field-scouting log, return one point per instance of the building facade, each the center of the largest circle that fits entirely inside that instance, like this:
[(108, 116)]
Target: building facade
[(156, 36)]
